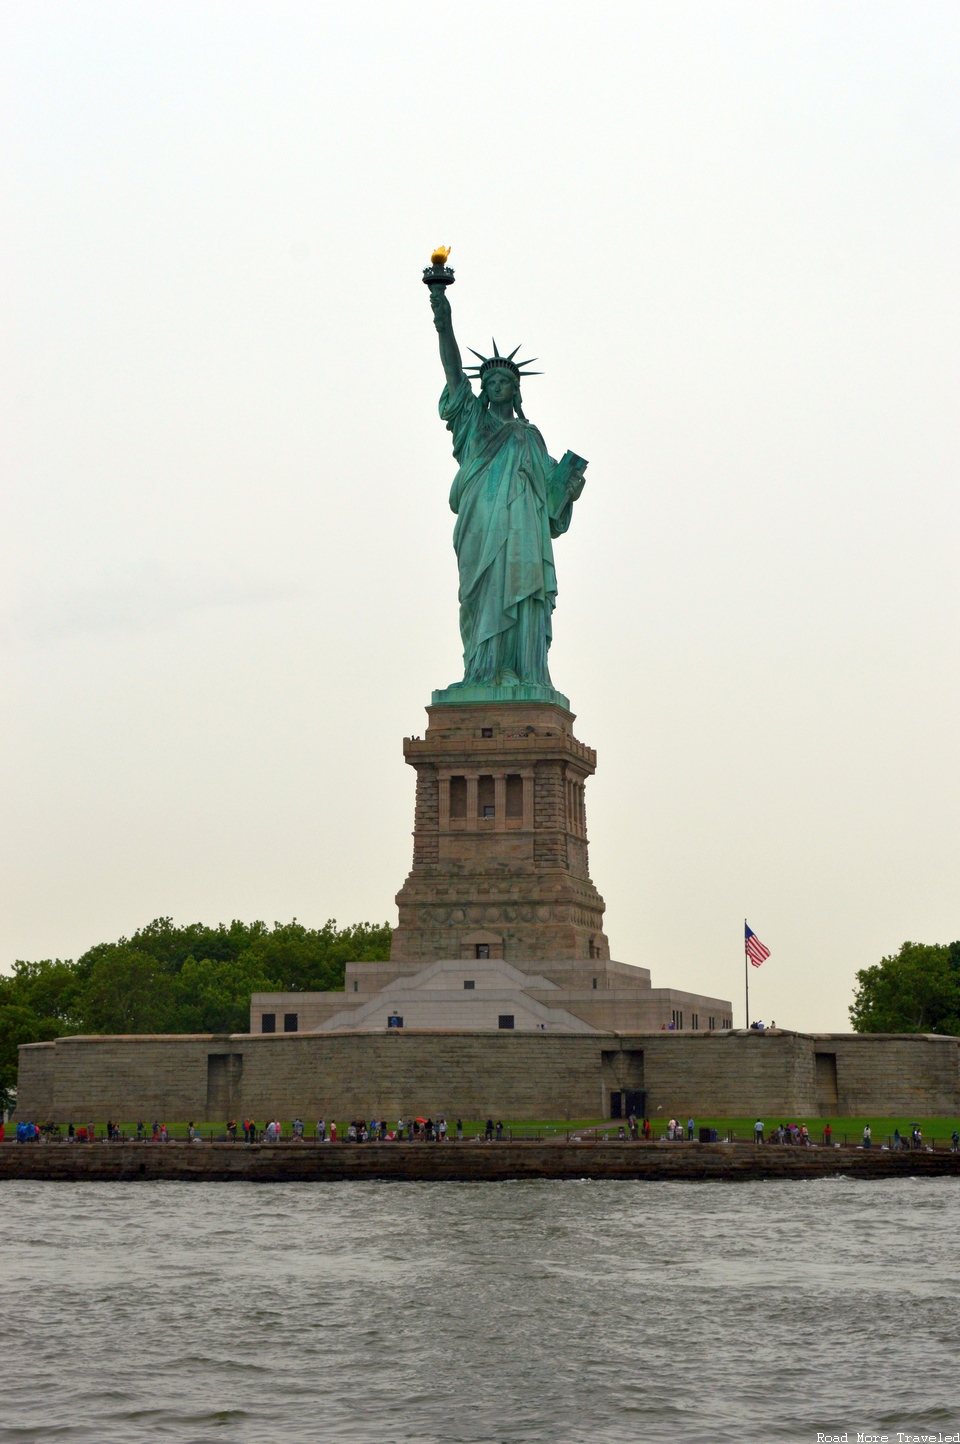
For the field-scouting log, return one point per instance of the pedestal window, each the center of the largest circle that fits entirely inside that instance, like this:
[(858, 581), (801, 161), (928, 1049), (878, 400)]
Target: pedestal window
[(458, 798), (486, 799)]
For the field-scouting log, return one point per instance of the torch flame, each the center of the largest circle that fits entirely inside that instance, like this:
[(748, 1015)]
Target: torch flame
[(439, 256)]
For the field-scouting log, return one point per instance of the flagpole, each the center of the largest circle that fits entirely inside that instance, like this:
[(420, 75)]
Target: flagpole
[(746, 974)]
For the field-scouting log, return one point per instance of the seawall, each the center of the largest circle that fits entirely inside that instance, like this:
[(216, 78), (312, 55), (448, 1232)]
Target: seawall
[(452, 1162)]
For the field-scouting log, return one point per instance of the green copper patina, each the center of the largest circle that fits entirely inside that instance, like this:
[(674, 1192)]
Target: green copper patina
[(511, 499)]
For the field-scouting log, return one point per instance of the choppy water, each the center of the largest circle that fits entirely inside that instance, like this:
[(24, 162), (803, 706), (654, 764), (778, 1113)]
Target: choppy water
[(460, 1313)]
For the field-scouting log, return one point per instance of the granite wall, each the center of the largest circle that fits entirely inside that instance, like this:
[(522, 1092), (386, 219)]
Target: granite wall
[(776, 1075), (871, 1068)]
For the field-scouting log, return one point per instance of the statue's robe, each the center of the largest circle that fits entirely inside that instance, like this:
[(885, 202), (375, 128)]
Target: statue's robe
[(510, 498)]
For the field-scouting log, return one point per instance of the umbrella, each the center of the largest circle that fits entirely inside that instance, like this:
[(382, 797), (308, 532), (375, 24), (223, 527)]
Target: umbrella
[(419, 1120)]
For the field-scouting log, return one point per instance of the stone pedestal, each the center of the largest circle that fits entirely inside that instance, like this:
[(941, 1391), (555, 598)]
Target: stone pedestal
[(500, 838)]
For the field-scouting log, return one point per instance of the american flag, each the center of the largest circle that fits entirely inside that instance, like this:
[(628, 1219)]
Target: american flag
[(754, 948)]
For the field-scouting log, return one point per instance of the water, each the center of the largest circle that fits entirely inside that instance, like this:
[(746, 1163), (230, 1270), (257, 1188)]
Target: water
[(461, 1313)]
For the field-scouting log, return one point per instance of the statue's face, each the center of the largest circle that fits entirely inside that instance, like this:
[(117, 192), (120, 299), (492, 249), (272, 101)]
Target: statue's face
[(499, 386)]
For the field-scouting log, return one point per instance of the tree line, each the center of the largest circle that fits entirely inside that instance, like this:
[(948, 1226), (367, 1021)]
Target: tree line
[(167, 979)]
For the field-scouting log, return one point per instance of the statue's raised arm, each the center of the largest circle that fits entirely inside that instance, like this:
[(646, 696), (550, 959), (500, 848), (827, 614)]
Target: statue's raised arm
[(449, 350)]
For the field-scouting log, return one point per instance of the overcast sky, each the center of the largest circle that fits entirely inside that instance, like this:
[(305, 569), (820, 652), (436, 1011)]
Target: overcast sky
[(729, 232)]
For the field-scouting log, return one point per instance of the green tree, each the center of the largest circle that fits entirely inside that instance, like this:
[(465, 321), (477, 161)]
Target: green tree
[(212, 995), (50, 989), (127, 991), (301, 959), (916, 990), (166, 979), (37, 1003), (169, 979)]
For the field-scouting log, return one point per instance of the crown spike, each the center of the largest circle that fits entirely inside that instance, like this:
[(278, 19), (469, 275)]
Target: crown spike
[(499, 362)]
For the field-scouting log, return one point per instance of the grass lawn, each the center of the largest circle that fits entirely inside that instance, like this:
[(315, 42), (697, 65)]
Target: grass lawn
[(845, 1130)]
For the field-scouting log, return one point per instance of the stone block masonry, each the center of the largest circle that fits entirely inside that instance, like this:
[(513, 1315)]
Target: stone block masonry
[(397, 1073), (452, 1162), (500, 839), (853, 1073)]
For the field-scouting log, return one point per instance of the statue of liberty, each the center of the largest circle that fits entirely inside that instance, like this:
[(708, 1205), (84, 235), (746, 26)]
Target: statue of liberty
[(511, 499)]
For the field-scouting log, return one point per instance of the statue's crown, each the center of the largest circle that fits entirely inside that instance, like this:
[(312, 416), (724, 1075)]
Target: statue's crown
[(496, 362)]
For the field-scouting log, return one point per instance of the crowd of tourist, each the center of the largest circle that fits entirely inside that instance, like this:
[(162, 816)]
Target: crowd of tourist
[(914, 1140), (789, 1133), (429, 1130), (358, 1130), (362, 1130)]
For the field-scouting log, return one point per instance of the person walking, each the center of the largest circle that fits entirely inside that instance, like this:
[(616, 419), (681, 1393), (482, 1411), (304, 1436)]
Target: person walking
[(333, 1132), (867, 1136), (499, 1130), (954, 1141), (489, 1130), (460, 1131), (690, 1130), (758, 1131)]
